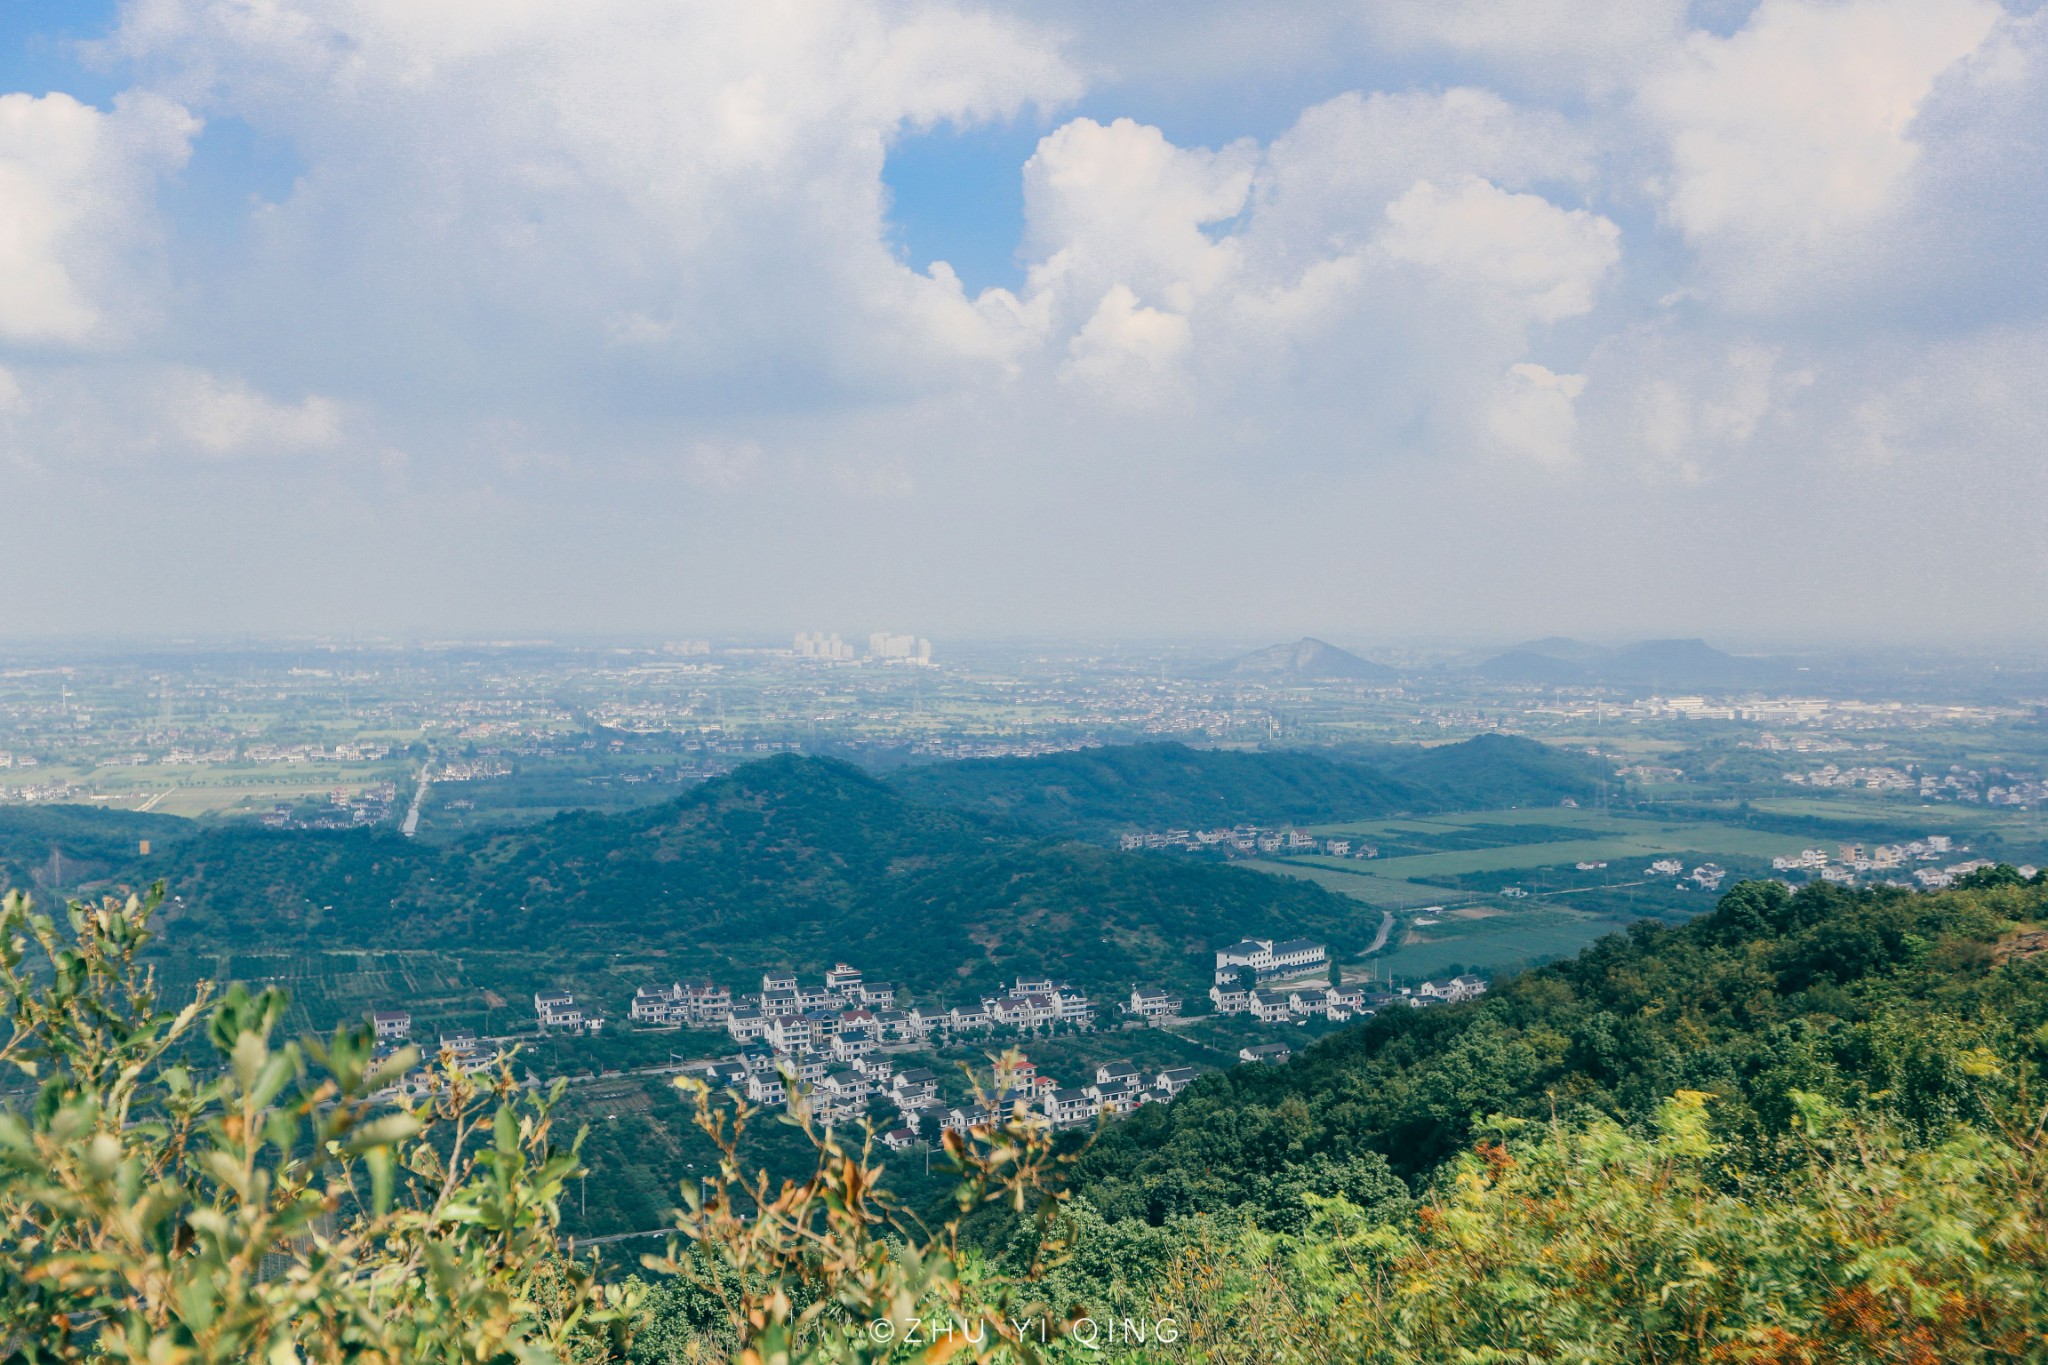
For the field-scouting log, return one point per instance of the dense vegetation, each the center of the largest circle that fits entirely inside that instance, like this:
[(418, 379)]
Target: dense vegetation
[(1874, 1000), (1099, 793), (791, 861), (1851, 1164), (72, 845)]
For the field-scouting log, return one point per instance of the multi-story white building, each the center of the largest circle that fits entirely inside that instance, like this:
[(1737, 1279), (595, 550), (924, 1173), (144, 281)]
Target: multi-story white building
[(1230, 997), (1150, 1003), (1265, 958), (1269, 1007), (557, 1009), (1069, 1108)]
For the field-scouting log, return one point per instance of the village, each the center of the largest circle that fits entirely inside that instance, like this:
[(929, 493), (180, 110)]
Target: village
[(1239, 840), (832, 1048)]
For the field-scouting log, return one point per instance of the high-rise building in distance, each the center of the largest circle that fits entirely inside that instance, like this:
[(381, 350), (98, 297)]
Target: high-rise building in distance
[(899, 648), (819, 645)]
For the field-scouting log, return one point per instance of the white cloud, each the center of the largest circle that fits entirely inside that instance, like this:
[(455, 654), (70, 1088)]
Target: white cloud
[(226, 418), (1593, 44), (1533, 415), (83, 413), (495, 190), (1128, 350), (1520, 248), (1561, 264), (1120, 205), (74, 188), (1798, 130)]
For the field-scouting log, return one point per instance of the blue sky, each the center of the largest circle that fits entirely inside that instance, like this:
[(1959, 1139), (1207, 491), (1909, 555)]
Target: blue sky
[(1366, 318)]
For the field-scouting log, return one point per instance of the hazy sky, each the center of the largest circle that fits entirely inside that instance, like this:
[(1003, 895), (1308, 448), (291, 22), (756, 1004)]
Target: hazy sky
[(1372, 318)]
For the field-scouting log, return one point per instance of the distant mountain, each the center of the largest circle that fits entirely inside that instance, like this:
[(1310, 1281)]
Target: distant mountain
[(1097, 793), (1565, 650), (1662, 664), (1690, 663), (1525, 665), (1305, 658), (790, 861)]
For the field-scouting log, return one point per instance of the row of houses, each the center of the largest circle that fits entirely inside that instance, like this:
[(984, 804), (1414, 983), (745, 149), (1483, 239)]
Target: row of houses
[(842, 1092), (781, 993), (1032, 1003), (1245, 839), (1277, 1005)]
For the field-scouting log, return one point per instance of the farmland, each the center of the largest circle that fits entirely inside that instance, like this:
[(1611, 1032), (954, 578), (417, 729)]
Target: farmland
[(1447, 873)]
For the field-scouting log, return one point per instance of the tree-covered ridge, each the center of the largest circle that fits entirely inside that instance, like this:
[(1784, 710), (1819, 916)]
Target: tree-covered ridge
[(1877, 1001), (788, 862), (1097, 793), (88, 841)]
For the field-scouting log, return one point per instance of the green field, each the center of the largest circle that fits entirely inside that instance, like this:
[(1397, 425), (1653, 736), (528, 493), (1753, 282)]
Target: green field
[(1390, 882), (1505, 940), (1481, 929)]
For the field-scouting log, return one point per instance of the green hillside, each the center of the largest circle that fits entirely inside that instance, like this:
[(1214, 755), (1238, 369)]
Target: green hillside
[(1874, 1000), (797, 862), (88, 842), (1098, 793)]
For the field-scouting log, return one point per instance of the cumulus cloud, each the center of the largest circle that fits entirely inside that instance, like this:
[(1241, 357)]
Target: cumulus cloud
[(507, 186), (1798, 130), (1520, 249), (74, 415), (226, 418), (1361, 260), (1533, 414), (1126, 349), (75, 213)]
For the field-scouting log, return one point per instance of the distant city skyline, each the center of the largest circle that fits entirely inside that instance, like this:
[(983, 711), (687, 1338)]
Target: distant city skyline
[(1385, 319)]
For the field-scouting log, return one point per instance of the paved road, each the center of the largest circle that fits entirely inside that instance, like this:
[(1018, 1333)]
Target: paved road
[(1386, 927), (412, 816)]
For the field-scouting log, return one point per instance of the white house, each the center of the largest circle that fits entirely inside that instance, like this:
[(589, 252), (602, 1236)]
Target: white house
[(1069, 1108), (1230, 998), (557, 1009), (391, 1025), (1151, 1003), (1270, 1007)]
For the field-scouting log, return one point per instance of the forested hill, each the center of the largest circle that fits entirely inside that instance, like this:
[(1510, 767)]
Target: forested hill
[(791, 861), (69, 845), (1888, 1003), (1099, 793)]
